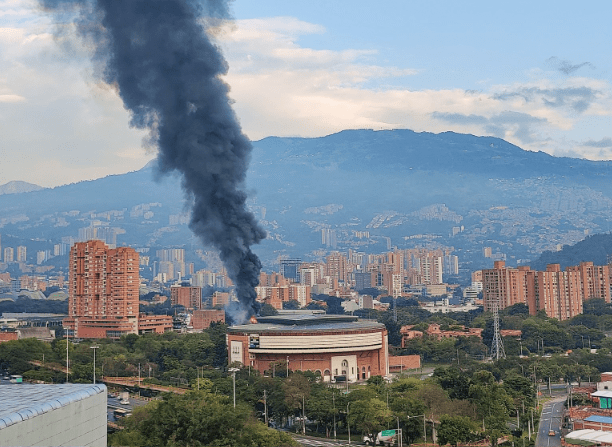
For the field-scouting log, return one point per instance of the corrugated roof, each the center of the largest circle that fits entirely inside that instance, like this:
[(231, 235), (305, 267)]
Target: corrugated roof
[(603, 393), (19, 402), (596, 436), (601, 419)]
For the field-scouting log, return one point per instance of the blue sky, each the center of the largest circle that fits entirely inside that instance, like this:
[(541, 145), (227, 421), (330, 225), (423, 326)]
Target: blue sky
[(537, 74)]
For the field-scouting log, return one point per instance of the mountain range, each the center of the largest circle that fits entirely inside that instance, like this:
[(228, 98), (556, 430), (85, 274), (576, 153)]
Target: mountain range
[(369, 191)]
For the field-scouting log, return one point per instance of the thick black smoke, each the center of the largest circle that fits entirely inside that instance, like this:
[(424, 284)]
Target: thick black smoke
[(158, 55)]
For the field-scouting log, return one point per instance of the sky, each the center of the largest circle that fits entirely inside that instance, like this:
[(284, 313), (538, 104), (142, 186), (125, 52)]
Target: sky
[(537, 74)]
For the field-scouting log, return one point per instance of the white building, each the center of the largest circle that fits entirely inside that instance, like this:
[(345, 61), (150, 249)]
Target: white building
[(53, 415)]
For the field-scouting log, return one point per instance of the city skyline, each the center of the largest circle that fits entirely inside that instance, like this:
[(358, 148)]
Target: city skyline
[(534, 75)]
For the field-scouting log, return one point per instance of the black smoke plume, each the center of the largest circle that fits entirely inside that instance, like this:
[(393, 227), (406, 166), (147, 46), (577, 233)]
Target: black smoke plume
[(159, 55)]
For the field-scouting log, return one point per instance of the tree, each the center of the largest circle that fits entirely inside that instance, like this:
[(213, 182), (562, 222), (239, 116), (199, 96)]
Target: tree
[(324, 406), (454, 381), (369, 416), (455, 429), (196, 419), (297, 391), (291, 305), (492, 404), (267, 310), (596, 306)]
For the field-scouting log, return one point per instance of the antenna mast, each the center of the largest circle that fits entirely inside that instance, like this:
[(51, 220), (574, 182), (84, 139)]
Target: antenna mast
[(497, 347)]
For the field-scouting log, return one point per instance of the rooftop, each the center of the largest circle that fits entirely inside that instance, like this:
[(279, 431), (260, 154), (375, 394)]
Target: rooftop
[(21, 402), (307, 323), (601, 419), (603, 393), (589, 437)]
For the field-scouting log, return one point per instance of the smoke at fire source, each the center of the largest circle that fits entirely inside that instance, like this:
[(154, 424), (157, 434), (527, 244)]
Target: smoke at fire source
[(160, 57)]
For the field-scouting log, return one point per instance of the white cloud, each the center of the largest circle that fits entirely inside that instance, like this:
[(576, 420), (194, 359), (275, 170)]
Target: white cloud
[(11, 98), (283, 89), (59, 124)]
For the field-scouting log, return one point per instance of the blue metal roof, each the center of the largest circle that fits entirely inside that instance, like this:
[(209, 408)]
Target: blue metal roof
[(601, 419)]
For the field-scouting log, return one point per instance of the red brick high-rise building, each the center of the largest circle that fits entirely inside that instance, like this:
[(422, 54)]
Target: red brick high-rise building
[(189, 297), (560, 294), (103, 286)]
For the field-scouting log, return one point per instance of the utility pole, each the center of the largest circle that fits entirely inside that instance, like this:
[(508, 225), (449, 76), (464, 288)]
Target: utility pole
[(94, 362), (334, 403), (303, 417), (233, 371), (348, 424), (67, 360), (266, 407)]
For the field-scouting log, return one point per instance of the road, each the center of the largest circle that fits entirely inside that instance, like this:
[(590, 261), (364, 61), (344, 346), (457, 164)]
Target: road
[(550, 419), (312, 441), (113, 403), (319, 442)]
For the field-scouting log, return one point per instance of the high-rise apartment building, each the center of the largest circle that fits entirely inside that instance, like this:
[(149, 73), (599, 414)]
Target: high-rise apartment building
[(203, 278), (451, 265), (9, 254), (279, 294), (363, 280), (290, 269), (189, 297), (173, 262), (103, 286), (336, 267), (311, 274), (21, 253), (560, 294)]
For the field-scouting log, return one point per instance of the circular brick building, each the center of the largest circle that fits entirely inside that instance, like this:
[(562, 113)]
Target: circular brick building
[(338, 347)]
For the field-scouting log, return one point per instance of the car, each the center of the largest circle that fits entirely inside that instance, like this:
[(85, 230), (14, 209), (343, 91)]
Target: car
[(551, 433)]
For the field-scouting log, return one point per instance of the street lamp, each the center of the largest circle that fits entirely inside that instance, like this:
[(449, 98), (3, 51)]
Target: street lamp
[(424, 426), (348, 424), (94, 347), (234, 371)]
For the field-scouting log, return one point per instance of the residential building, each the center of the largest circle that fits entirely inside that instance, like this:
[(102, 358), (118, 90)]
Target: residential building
[(336, 267), (189, 297), (433, 330), (9, 255), (103, 285), (21, 253), (279, 294), (560, 294), (363, 280), (290, 269), (201, 319), (220, 299)]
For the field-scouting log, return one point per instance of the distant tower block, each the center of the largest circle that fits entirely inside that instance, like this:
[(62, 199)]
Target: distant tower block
[(290, 268), (497, 346)]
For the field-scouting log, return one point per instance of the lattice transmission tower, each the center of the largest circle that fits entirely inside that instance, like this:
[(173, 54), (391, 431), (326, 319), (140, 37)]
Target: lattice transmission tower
[(497, 346)]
